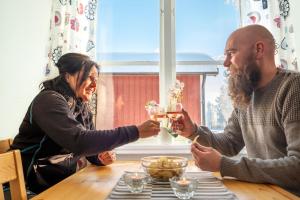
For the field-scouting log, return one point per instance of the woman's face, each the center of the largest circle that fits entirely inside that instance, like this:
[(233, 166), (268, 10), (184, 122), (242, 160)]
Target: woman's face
[(88, 87)]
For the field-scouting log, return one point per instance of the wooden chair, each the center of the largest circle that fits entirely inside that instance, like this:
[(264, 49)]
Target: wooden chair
[(11, 171), (5, 145)]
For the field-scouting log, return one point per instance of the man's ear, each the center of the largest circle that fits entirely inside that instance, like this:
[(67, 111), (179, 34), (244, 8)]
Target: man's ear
[(259, 49)]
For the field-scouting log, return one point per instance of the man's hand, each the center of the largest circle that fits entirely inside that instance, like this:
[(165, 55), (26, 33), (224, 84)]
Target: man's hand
[(184, 125), (148, 128), (107, 157), (206, 158)]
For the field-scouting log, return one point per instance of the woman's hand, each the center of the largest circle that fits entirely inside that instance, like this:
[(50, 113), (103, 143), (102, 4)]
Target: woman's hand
[(107, 157), (148, 128)]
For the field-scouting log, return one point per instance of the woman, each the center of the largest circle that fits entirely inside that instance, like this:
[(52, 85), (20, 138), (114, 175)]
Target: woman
[(58, 130)]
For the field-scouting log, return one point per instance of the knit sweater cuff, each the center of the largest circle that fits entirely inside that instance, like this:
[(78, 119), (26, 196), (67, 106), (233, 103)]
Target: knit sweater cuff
[(228, 167), (193, 135)]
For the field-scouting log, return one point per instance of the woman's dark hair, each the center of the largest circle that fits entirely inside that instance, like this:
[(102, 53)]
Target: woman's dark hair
[(75, 62), (72, 63)]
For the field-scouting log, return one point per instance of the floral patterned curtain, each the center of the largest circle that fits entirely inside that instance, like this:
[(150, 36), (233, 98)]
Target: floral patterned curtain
[(274, 15), (72, 29)]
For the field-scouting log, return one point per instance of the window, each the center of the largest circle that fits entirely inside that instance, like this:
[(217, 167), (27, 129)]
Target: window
[(144, 45)]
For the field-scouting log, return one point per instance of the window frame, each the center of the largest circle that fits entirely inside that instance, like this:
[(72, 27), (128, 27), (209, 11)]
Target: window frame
[(167, 68)]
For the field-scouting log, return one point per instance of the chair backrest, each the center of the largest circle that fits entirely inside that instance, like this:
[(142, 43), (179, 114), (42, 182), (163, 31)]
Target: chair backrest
[(11, 171), (5, 145)]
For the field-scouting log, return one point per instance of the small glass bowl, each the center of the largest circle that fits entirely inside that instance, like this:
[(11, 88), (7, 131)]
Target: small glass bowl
[(161, 168), (184, 187), (135, 181)]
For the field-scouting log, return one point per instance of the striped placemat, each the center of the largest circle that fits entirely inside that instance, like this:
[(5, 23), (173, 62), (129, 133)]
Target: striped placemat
[(209, 187)]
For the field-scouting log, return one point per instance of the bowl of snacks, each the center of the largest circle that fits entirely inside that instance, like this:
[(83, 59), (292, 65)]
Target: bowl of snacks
[(162, 168)]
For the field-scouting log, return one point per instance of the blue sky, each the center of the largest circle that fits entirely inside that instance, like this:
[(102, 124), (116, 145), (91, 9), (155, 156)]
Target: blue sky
[(133, 25), (128, 25), (204, 25)]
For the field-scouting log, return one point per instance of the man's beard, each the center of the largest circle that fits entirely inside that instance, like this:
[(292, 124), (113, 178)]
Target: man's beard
[(242, 84)]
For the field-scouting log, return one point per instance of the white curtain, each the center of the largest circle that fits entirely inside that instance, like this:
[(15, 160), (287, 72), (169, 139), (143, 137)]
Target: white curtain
[(274, 15), (72, 29)]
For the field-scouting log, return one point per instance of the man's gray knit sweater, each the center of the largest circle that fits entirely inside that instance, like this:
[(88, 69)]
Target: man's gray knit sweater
[(270, 130)]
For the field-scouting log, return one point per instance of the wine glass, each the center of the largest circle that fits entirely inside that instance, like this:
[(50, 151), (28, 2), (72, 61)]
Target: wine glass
[(173, 113), (157, 113)]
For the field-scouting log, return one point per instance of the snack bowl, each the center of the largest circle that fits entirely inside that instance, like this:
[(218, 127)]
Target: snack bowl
[(162, 168)]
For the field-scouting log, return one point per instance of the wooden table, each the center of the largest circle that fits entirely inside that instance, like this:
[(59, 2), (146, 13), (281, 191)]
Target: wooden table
[(95, 182)]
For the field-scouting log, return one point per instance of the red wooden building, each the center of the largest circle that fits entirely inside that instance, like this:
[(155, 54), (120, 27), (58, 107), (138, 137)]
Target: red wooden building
[(123, 98), (125, 90)]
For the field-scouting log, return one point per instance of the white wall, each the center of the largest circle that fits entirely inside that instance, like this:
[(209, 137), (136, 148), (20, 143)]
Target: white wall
[(24, 27)]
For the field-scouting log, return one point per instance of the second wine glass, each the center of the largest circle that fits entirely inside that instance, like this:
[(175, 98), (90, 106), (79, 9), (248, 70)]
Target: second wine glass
[(173, 113)]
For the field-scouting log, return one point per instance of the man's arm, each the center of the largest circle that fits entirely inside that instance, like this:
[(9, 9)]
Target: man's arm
[(283, 171), (229, 143)]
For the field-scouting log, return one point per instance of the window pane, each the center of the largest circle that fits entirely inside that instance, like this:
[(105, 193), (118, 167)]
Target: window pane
[(122, 99), (202, 28), (218, 104), (128, 50), (127, 27)]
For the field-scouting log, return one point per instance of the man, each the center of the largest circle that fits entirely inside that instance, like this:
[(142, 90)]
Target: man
[(266, 116)]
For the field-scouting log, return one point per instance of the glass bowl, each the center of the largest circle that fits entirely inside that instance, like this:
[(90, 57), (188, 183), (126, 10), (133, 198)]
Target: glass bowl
[(162, 168)]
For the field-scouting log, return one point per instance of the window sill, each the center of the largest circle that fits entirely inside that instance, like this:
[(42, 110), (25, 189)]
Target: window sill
[(136, 152)]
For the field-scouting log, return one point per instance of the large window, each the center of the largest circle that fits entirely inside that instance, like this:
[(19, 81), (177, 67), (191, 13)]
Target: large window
[(144, 45)]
